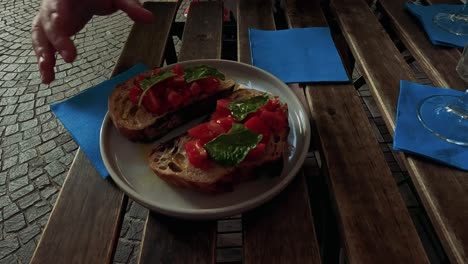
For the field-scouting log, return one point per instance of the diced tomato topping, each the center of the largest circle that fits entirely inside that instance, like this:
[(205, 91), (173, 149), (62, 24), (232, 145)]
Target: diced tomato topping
[(175, 83), (222, 107), (209, 84), (195, 89), (175, 99), (257, 125), (276, 121), (207, 131), (197, 154), (272, 105), (257, 152), (178, 69), (134, 94), (225, 122), (152, 103)]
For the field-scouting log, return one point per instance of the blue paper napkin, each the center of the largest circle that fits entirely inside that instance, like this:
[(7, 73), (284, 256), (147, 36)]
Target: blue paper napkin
[(82, 115), (437, 35), (410, 134), (297, 55)]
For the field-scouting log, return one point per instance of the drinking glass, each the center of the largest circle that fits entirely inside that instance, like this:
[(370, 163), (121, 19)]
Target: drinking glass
[(455, 23), (445, 115)]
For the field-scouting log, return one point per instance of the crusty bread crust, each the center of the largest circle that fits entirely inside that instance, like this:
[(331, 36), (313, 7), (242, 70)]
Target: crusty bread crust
[(137, 124), (169, 161)]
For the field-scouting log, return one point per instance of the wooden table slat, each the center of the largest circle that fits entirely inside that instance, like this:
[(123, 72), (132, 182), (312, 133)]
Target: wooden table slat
[(438, 62), (169, 240), (95, 205), (443, 190), (202, 35), (282, 230), (375, 224), (86, 200)]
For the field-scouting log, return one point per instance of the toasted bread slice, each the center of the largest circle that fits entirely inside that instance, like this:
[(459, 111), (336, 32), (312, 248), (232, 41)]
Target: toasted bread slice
[(137, 124), (170, 162)]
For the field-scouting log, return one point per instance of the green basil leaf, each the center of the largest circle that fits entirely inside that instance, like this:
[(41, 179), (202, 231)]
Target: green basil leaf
[(147, 83), (201, 71), (231, 148), (240, 109)]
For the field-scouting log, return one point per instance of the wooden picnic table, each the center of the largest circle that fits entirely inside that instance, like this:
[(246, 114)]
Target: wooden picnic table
[(373, 222)]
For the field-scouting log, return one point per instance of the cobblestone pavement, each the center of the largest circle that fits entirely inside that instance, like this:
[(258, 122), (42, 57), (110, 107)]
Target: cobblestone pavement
[(36, 151)]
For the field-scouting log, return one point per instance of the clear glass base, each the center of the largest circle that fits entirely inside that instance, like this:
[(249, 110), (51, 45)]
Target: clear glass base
[(454, 23), (443, 117)]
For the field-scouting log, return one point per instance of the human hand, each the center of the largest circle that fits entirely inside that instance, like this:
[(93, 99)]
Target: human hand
[(58, 20)]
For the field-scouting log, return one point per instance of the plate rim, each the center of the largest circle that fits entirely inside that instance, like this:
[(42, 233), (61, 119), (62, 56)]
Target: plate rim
[(219, 212)]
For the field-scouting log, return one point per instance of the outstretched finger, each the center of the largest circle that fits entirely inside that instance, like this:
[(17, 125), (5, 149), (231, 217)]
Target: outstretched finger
[(53, 25), (135, 11), (44, 52)]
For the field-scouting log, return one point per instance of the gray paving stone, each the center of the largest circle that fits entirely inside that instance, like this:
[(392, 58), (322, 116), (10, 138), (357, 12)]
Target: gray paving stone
[(36, 211), (26, 98), (54, 168), (18, 171), (32, 132), (28, 200), (9, 162), (25, 106), (49, 125), (123, 251), (11, 129), (29, 124), (4, 201), (22, 192), (8, 110), (48, 191), (3, 176), (28, 233), (9, 120), (10, 210), (26, 251), (18, 184), (36, 172), (47, 146), (26, 115), (15, 223), (11, 259), (30, 142), (49, 135), (53, 155), (11, 151), (8, 245), (12, 139), (27, 155)]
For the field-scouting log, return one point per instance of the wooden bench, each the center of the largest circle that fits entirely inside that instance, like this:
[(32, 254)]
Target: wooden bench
[(374, 224), (444, 191)]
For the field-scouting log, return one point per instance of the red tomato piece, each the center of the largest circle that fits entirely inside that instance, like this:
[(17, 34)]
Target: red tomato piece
[(197, 154), (222, 107), (205, 132), (134, 94), (209, 84), (175, 99), (276, 121), (177, 69), (225, 122), (257, 152), (195, 89), (176, 82), (152, 103), (272, 105), (257, 125)]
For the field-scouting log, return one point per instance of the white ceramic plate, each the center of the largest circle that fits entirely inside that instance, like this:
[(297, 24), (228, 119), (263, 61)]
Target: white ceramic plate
[(126, 161)]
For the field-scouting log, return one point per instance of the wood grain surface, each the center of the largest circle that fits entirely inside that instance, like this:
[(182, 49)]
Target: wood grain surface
[(443, 190), (361, 182), (282, 230), (84, 225), (165, 239), (438, 62)]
